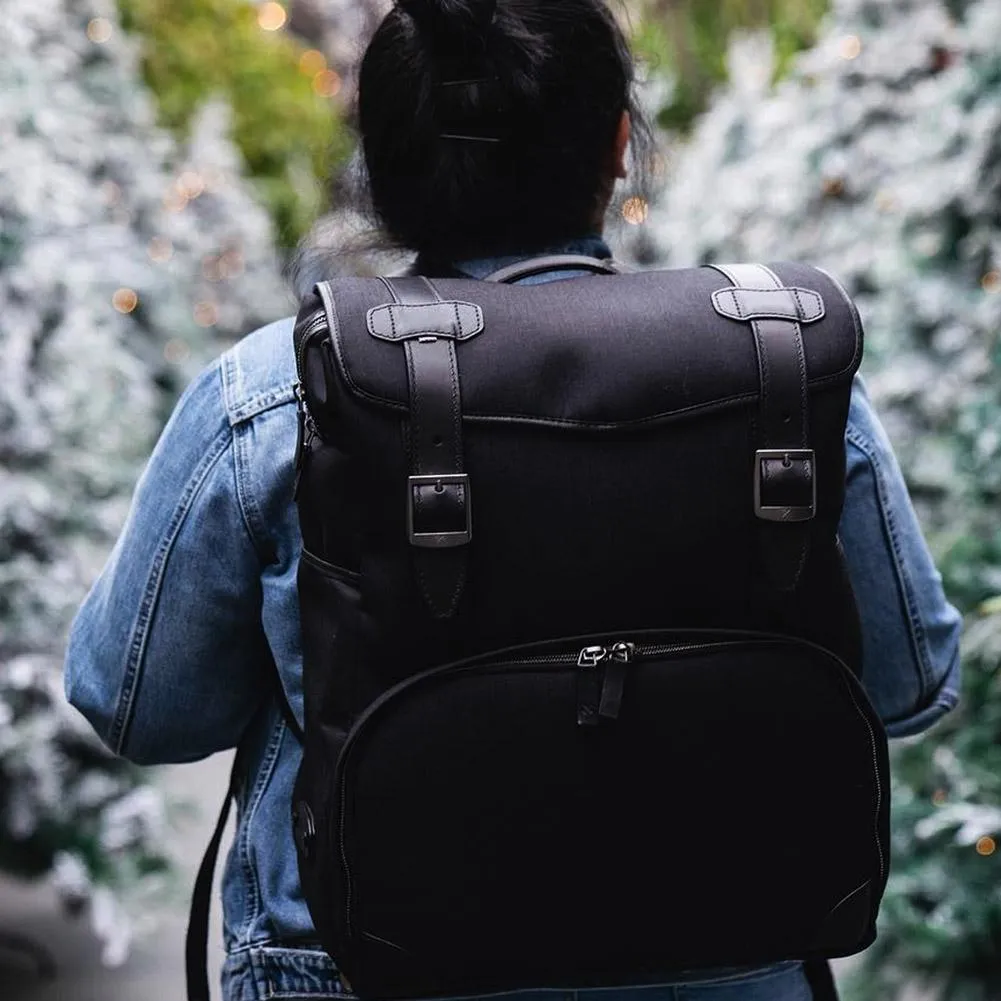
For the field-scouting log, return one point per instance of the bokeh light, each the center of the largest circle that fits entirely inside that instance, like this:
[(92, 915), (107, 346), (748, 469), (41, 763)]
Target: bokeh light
[(206, 313), (635, 210), (850, 47), (271, 16), (99, 30), (327, 83), (311, 62), (125, 300)]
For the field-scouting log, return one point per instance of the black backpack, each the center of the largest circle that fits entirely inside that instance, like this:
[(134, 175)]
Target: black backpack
[(581, 658)]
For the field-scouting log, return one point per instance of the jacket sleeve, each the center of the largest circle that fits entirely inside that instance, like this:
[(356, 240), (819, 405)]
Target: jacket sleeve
[(167, 657), (910, 632)]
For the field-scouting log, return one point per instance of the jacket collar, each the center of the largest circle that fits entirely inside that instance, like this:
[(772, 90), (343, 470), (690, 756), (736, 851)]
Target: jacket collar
[(592, 245)]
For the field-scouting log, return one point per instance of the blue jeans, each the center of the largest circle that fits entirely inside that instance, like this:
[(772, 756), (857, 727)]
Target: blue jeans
[(782, 982)]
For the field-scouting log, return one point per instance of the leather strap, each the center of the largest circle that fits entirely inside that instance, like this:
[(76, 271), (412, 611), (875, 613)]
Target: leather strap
[(821, 980), (555, 262), (438, 501), (196, 961), (784, 467)]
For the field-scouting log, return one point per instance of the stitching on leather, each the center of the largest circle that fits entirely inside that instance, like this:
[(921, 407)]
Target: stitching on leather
[(456, 407), (415, 416), (809, 303), (460, 580), (431, 288), (461, 330), (804, 416)]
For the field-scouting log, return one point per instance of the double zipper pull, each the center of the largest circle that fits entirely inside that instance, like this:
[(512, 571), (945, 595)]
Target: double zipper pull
[(596, 703)]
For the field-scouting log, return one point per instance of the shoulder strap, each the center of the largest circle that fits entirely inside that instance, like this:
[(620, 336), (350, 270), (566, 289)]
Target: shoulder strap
[(821, 980), (196, 960), (555, 262)]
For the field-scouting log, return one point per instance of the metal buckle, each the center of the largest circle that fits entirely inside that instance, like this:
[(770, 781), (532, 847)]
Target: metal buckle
[(439, 540), (782, 512)]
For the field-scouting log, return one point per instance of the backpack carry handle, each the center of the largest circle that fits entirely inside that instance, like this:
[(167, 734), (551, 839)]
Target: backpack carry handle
[(555, 262)]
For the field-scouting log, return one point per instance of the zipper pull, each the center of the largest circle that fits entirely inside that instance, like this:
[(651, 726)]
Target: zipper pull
[(588, 693), (304, 437), (617, 662), (592, 656)]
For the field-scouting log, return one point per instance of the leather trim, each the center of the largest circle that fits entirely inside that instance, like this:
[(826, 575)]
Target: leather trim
[(743, 304), (438, 510), (784, 416), (400, 321)]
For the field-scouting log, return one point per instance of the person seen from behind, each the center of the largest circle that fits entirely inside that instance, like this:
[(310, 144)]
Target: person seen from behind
[(189, 641)]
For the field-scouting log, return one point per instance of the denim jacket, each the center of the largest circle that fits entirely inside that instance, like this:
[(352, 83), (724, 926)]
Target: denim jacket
[(175, 652)]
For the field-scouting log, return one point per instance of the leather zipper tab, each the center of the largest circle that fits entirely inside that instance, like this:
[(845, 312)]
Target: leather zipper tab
[(620, 656), (588, 684)]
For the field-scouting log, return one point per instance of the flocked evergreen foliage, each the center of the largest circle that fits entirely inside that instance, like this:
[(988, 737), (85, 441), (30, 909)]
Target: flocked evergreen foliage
[(879, 157), (125, 262), (284, 123), (687, 41)]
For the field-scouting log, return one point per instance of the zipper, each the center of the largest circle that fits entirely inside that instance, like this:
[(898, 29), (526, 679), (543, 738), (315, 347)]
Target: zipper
[(315, 324), (620, 655), (307, 430), (307, 433)]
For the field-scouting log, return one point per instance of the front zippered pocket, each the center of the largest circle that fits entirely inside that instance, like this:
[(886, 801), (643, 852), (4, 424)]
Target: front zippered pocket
[(663, 701)]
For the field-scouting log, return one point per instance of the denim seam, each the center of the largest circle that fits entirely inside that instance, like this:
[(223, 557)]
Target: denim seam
[(118, 734), (915, 627), (260, 403), (264, 773), (239, 410)]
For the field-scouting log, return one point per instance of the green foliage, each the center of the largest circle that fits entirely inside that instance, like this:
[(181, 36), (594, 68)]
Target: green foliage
[(941, 917), (289, 136), (688, 40)]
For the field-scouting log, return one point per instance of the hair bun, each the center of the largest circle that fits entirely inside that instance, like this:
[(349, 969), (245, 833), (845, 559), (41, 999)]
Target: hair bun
[(450, 17)]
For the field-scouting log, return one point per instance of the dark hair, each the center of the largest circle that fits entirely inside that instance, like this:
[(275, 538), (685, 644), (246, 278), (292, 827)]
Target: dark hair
[(488, 125)]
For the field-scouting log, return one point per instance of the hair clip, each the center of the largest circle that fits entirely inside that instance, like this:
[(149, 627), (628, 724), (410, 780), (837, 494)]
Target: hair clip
[(472, 139), (468, 81)]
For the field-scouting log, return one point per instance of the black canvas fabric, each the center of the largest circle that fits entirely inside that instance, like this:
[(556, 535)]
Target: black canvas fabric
[(619, 732)]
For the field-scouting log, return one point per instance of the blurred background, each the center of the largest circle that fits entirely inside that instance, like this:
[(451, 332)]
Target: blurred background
[(160, 160)]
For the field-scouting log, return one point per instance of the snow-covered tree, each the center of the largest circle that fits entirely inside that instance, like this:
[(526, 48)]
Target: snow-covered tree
[(125, 261)]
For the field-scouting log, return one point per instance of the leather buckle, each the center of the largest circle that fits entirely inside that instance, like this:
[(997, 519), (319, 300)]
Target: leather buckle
[(786, 512), (439, 540)]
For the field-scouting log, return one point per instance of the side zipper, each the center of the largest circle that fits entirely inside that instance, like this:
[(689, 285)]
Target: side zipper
[(307, 431), (307, 434)]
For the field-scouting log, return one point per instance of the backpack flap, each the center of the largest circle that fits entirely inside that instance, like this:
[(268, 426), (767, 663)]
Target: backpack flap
[(597, 415)]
